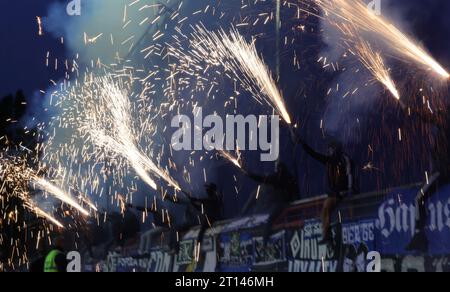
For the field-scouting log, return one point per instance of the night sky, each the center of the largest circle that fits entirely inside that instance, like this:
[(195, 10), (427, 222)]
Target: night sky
[(23, 52)]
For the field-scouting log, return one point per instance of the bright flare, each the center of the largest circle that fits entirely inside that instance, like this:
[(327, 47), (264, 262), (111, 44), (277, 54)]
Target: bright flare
[(358, 14), (41, 213), (230, 157), (121, 139), (240, 58), (375, 64), (58, 193)]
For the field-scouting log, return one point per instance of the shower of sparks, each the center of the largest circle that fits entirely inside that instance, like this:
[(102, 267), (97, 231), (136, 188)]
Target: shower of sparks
[(357, 13), (58, 193), (40, 213), (373, 61), (127, 149), (375, 64), (88, 202), (108, 127), (240, 58), (230, 158), (16, 175), (30, 205), (116, 116)]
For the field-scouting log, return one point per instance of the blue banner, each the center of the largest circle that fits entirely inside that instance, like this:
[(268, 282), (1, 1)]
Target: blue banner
[(396, 222), (236, 252)]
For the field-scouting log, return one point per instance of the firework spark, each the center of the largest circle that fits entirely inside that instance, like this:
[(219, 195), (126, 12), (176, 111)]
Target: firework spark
[(39, 23), (30, 205), (236, 55), (375, 64), (17, 175), (357, 13), (88, 202), (121, 140), (41, 213), (230, 158), (58, 193)]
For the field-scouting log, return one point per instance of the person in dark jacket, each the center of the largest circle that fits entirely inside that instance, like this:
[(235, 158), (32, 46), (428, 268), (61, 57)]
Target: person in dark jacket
[(56, 261), (37, 266), (284, 190), (340, 179), (160, 220), (207, 210)]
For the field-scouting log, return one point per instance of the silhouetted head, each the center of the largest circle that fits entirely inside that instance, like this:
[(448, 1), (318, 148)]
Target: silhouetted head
[(349, 259), (59, 243), (350, 251), (335, 149), (363, 249), (361, 262)]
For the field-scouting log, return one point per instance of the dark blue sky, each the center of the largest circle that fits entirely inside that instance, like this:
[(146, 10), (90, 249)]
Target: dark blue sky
[(430, 23), (23, 52)]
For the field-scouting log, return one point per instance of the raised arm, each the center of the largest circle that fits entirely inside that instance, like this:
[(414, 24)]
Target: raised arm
[(142, 209), (311, 152), (314, 154), (254, 176)]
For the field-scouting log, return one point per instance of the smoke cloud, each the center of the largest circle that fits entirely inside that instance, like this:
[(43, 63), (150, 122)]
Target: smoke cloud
[(354, 91), (105, 30)]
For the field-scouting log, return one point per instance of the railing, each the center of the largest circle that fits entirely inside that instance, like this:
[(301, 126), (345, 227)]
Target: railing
[(353, 207)]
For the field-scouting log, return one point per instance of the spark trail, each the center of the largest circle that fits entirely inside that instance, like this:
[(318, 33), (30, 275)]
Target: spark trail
[(110, 127), (236, 55), (375, 64), (230, 158), (358, 14), (58, 193)]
